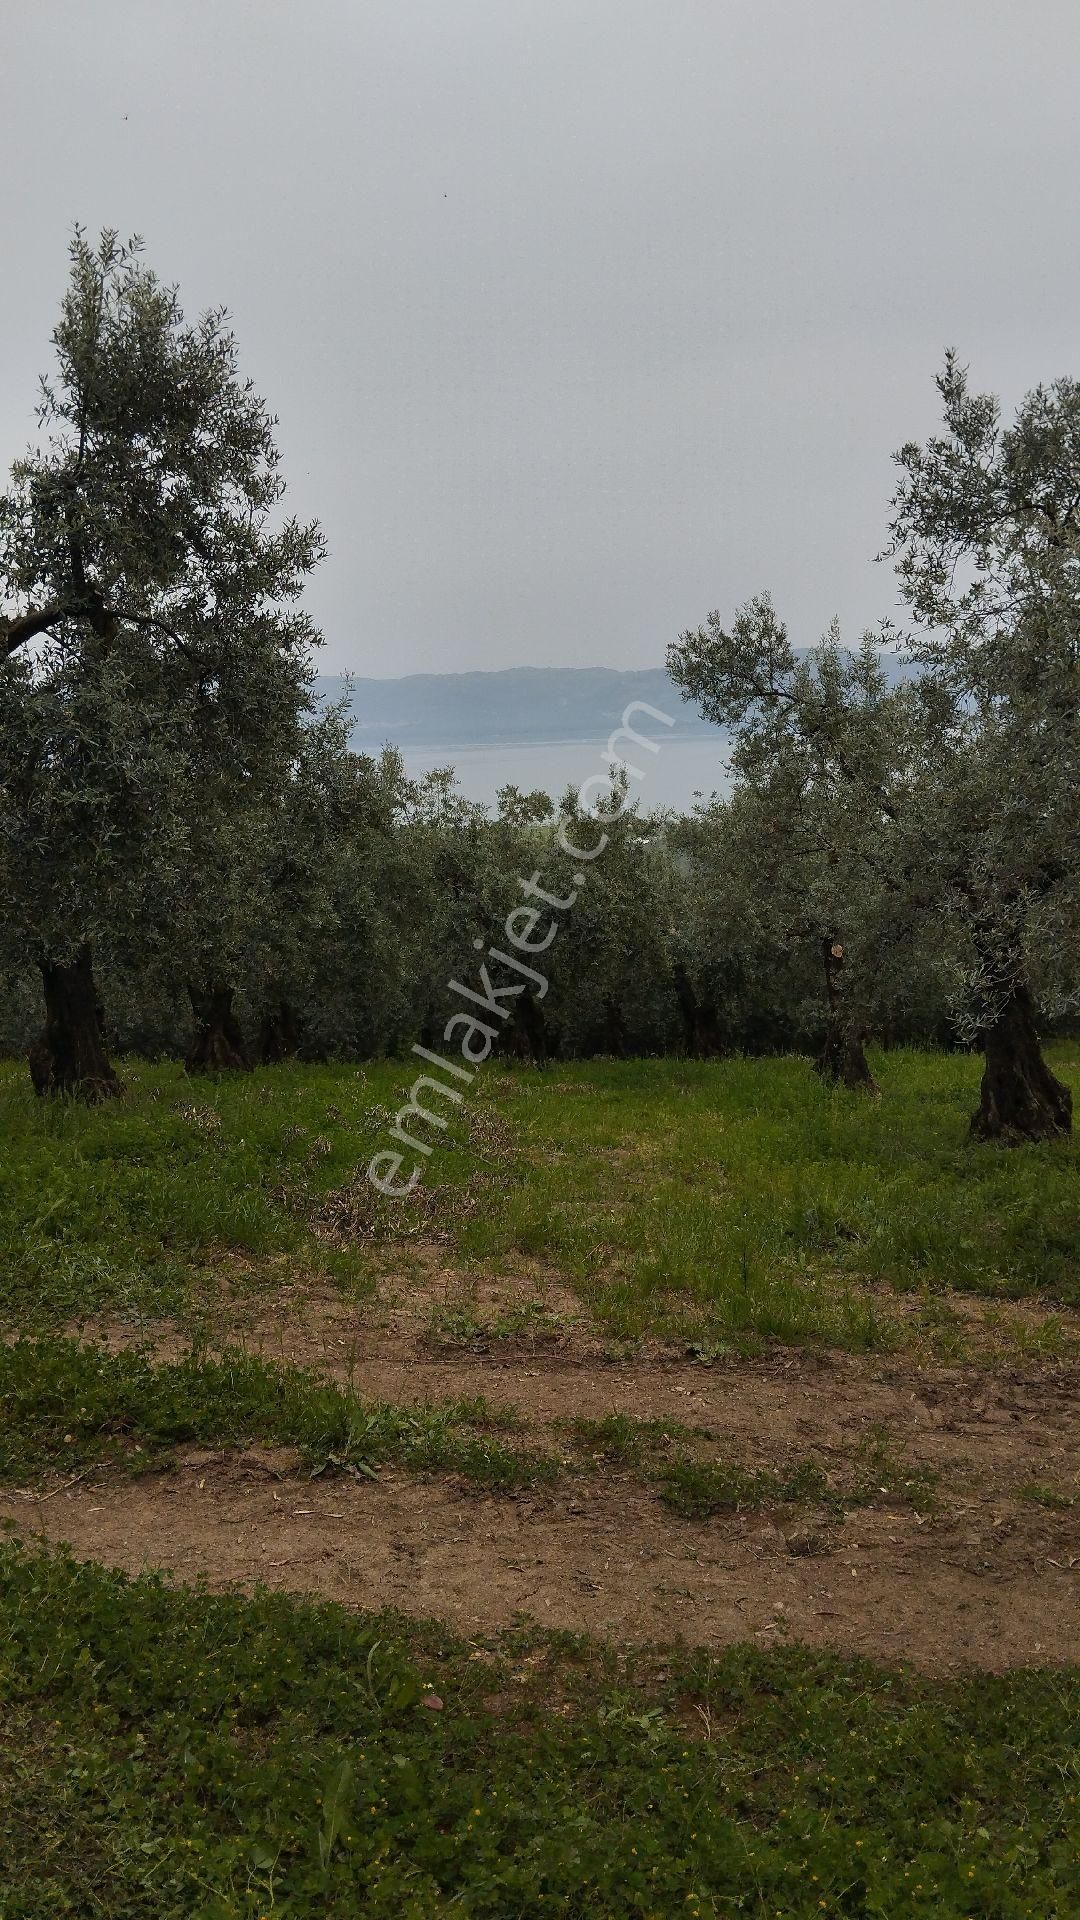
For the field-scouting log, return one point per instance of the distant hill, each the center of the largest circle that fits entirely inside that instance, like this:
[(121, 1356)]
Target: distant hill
[(518, 706)]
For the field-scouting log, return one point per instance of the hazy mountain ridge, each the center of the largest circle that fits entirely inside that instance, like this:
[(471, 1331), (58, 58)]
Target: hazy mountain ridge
[(511, 707), (514, 706)]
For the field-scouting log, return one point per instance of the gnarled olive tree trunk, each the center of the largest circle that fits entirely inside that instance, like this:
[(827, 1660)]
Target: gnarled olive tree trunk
[(279, 1034), (842, 1059), (614, 1028), (70, 1057), (701, 1029), (527, 1036), (1020, 1098), (218, 1046)]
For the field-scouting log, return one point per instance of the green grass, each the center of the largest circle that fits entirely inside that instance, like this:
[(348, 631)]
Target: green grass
[(748, 1188), (1050, 1497), (696, 1486), (720, 1203), (168, 1755), (67, 1407), (127, 1205)]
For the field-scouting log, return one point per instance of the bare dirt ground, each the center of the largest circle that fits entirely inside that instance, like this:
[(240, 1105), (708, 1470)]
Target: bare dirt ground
[(984, 1588), (1013, 1422), (987, 1579)]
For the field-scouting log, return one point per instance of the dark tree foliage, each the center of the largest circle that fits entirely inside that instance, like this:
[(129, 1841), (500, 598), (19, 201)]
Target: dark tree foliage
[(985, 535), (196, 863), (151, 658)]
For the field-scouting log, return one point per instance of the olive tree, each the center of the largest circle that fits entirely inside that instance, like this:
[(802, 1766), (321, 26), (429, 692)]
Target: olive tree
[(821, 767), (80, 809), (985, 535), (151, 652), (331, 962), (612, 968)]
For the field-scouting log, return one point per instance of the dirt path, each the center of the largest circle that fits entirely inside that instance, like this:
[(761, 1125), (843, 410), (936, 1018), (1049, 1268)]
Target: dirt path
[(1016, 1423), (988, 1580), (979, 1588)]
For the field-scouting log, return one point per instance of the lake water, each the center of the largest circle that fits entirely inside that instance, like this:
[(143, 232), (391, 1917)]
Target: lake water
[(673, 774)]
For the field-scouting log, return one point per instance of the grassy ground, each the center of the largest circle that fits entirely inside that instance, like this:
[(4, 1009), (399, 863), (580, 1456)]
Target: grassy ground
[(69, 1408), (172, 1756), (175, 1756), (727, 1200)]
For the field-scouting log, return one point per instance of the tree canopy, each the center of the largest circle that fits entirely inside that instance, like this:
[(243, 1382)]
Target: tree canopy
[(194, 858), (154, 652)]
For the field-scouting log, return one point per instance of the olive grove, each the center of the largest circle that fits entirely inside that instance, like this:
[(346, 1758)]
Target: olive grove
[(195, 862)]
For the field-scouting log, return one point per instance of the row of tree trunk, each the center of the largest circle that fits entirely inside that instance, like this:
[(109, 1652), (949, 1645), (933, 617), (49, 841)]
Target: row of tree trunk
[(71, 1056), (1020, 1099)]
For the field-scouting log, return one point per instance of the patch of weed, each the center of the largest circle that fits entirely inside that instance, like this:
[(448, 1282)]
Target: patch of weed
[(170, 1753), (66, 1405)]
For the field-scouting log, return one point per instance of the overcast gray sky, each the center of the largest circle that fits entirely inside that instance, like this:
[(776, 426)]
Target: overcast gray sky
[(581, 316)]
